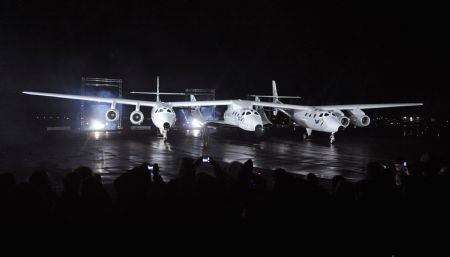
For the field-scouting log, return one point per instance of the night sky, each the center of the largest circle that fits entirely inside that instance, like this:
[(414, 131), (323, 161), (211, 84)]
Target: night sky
[(328, 53)]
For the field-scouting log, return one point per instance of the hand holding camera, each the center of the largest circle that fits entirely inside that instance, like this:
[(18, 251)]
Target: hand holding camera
[(153, 168), (206, 159)]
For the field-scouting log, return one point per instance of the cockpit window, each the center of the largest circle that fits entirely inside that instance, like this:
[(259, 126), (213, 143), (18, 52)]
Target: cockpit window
[(333, 114), (315, 115), (248, 113), (327, 114), (321, 115), (243, 113), (169, 110), (256, 113)]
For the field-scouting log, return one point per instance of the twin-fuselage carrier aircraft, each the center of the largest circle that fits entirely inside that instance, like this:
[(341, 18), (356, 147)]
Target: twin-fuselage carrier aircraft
[(327, 118), (245, 114)]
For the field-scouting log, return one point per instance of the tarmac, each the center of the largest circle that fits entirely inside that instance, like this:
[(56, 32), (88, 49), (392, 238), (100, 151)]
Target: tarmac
[(111, 153)]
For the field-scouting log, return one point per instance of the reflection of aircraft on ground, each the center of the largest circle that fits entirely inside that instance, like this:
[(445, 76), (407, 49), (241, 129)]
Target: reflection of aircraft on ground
[(239, 113), (329, 118)]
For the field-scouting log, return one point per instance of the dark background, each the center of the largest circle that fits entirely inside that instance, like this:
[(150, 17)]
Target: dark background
[(336, 52)]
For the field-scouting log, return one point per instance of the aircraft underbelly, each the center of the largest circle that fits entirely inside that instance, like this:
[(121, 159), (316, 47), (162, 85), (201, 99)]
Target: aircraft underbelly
[(231, 121), (311, 123), (302, 122)]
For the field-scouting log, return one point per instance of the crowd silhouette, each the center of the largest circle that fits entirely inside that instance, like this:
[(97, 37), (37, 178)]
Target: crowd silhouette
[(394, 201)]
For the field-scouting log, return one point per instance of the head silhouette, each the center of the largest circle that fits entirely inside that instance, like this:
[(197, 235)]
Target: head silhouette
[(186, 168)]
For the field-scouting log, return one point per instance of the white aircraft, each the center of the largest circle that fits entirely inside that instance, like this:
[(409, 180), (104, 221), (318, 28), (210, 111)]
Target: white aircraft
[(328, 118), (239, 113)]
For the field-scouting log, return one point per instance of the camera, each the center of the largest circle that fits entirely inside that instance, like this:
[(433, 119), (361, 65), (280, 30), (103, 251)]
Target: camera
[(205, 159), (405, 164)]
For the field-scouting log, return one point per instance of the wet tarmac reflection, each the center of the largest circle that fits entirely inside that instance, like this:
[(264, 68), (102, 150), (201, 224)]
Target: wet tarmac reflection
[(110, 154)]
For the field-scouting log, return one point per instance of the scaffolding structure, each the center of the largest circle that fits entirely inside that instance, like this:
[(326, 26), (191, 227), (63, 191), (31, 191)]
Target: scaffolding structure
[(98, 83)]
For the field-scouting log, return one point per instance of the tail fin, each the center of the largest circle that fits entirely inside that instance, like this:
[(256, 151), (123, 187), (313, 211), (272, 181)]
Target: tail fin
[(193, 99), (275, 96), (274, 91), (262, 113), (157, 89), (196, 114)]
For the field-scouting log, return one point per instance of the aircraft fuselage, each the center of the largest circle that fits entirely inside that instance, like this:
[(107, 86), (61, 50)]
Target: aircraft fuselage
[(323, 121), (241, 114), (163, 116)]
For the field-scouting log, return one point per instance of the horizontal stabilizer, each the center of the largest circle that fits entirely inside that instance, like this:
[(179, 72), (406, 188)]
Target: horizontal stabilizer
[(271, 96)]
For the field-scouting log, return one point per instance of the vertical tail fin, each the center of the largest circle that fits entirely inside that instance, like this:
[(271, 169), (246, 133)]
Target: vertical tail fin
[(196, 113), (274, 91), (157, 89), (262, 113), (275, 94), (193, 99)]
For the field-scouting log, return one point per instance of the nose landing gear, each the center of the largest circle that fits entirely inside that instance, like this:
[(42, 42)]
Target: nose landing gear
[(163, 133), (332, 138), (307, 134)]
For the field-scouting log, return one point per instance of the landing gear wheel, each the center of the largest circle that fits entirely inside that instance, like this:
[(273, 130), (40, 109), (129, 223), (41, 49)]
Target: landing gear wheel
[(332, 138), (165, 135), (305, 136)]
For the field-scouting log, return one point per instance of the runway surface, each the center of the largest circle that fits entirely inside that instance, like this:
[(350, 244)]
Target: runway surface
[(111, 153)]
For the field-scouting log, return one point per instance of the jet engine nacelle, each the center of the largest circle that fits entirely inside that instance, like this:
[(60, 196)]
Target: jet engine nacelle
[(345, 121), (136, 117), (112, 115), (359, 118)]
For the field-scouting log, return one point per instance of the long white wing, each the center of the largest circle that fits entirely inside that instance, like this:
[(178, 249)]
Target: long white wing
[(200, 103), (332, 107), (220, 102), (130, 101), (363, 106), (95, 99), (283, 106)]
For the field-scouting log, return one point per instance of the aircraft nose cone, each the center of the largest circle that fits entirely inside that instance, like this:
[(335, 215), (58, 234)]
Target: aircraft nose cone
[(166, 125), (259, 131)]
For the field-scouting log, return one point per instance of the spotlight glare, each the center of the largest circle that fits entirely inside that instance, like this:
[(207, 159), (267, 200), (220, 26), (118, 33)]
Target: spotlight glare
[(97, 125), (196, 123)]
